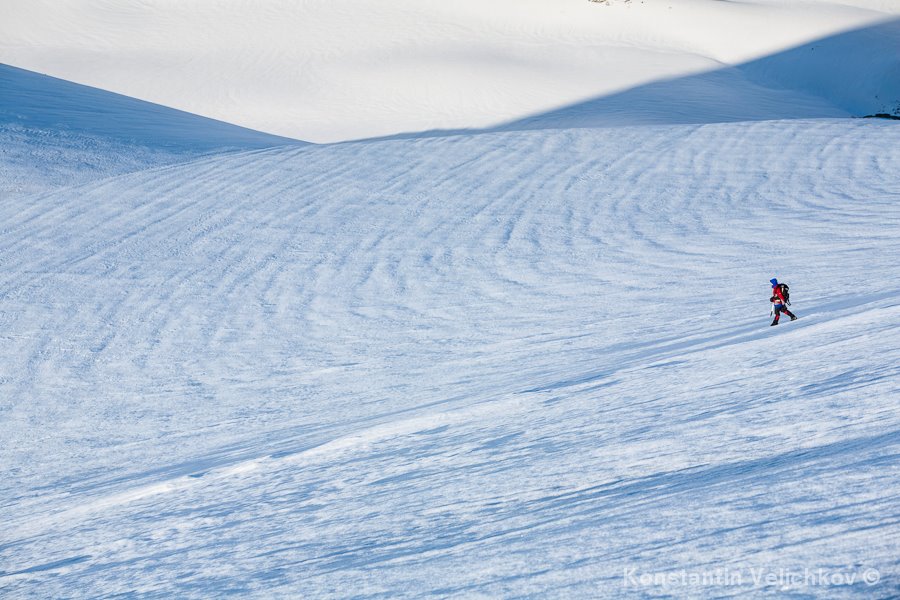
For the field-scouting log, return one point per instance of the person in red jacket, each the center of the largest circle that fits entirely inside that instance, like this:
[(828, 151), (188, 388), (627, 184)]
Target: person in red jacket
[(780, 302)]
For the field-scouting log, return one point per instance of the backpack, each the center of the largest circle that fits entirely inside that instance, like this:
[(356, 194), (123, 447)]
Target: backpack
[(785, 291)]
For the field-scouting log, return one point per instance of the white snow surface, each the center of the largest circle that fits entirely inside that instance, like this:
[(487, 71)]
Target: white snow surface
[(325, 71), (532, 359), (495, 365), (54, 133)]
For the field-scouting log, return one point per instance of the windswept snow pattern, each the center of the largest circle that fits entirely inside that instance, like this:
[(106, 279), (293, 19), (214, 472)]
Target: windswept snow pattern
[(501, 365)]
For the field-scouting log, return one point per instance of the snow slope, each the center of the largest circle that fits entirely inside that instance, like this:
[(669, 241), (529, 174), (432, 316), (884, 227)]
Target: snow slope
[(851, 73), (55, 133), (499, 365), (323, 71), (530, 360)]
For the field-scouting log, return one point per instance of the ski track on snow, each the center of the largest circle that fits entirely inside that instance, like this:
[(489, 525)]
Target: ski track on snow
[(501, 365)]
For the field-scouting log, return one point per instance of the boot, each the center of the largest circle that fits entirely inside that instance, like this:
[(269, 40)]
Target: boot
[(775, 322), (793, 317)]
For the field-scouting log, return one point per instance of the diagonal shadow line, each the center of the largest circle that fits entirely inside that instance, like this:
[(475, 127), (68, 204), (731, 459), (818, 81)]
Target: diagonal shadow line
[(648, 353), (594, 503), (685, 480), (850, 74)]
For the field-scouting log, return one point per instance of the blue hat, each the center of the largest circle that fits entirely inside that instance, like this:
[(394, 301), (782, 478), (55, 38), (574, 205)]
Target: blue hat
[(774, 282)]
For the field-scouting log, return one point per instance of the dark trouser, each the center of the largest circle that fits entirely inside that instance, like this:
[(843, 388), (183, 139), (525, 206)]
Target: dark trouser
[(781, 308)]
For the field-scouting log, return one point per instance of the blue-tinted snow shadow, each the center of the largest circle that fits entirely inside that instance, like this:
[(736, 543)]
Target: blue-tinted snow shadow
[(40, 102), (649, 353), (850, 74), (596, 506), (860, 451), (855, 73), (50, 566)]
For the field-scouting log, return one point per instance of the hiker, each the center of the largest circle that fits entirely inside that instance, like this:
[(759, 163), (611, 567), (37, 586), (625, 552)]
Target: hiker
[(781, 300)]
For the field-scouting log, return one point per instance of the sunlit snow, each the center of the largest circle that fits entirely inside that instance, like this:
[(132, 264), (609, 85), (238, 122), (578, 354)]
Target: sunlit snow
[(518, 347)]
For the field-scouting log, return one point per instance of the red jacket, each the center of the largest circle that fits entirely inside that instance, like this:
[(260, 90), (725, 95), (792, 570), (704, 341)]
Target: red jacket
[(777, 296)]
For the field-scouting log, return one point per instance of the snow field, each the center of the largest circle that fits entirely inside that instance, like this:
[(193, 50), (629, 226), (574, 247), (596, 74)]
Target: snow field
[(531, 360), (497, 365)]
